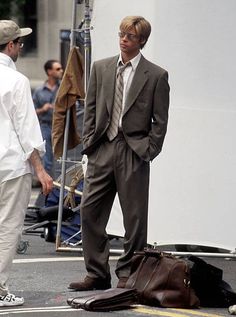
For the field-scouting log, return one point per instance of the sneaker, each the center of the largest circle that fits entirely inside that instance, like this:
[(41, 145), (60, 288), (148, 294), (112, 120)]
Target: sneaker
[(11, 300)]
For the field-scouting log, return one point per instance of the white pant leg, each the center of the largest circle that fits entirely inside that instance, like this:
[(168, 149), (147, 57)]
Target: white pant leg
[(14, 199)]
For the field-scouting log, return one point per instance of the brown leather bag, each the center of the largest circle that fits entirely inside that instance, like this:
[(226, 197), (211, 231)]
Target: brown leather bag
[(162, 280)]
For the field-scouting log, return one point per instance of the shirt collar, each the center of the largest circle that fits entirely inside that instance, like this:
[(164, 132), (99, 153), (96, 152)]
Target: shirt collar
[(7, 61), (46, 86), (134, 61)]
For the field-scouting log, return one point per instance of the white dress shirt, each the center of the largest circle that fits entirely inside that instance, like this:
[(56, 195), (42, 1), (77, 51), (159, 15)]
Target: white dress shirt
[(20, 132), (128, 75)]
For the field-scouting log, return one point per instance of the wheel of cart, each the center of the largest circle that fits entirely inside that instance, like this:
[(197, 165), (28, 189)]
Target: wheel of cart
[(22, 247)]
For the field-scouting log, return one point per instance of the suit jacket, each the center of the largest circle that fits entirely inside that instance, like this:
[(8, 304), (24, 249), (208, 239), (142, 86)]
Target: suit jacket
[(145, 117)]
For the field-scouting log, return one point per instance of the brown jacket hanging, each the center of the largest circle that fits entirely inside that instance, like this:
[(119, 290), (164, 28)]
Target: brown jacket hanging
[(71, 89)]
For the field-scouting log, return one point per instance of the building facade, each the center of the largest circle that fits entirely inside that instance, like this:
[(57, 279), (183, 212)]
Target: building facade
[(48, 19)]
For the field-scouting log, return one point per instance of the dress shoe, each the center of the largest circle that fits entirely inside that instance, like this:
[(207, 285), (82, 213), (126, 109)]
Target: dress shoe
[(122, 282), (90, 283)]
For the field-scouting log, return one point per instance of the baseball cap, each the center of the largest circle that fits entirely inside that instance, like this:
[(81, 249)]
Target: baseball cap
[(9, 31)]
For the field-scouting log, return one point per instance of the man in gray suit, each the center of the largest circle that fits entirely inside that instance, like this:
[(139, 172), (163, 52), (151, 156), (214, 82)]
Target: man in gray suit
[(125, 123)]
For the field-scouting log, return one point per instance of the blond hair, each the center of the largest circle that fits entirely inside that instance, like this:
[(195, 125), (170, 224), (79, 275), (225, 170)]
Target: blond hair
[(141, 26)]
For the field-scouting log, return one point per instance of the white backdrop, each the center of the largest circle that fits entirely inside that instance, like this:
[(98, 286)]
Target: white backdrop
[(193, 180)]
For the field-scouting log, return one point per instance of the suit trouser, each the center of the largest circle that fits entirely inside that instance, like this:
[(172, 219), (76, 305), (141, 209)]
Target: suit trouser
[(14, 199), (114, 167)]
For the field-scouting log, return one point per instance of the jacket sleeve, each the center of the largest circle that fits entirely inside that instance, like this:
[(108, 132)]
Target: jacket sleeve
[(90, 108), (159, 116)]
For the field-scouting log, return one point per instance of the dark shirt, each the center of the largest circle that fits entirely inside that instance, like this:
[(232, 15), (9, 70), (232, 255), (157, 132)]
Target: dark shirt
[(41, 96)]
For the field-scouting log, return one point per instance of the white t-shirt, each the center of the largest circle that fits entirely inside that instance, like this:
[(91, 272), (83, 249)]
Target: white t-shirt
[(19, 127)]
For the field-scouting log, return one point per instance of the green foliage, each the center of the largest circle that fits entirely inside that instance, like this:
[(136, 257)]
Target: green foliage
[(9, 8)]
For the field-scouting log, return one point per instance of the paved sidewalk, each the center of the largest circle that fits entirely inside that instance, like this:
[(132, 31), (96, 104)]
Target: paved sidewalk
[(42, 275)]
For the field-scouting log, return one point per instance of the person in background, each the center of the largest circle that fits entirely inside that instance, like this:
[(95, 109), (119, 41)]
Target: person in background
[(44, 98), (125, 123), (21, 145)]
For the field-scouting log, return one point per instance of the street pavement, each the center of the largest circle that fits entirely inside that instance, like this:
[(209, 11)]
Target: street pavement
[(41, 275)]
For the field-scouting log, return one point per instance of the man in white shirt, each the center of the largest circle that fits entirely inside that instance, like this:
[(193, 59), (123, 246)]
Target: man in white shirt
[(21, 146)]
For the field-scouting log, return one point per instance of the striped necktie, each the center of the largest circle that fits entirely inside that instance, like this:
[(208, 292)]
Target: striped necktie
[(112, 130)]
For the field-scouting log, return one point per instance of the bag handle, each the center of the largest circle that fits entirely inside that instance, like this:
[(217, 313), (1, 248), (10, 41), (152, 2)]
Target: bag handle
[(154, 252), (146, 255)]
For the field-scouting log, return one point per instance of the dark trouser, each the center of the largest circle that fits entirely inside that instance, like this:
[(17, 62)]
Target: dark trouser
[(114, 167)]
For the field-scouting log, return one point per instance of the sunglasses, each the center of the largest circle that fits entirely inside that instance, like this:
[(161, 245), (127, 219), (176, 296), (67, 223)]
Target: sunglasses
[(21, 44), (129, 36)]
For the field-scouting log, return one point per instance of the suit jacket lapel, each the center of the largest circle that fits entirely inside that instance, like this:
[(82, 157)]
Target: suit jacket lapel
[(139, 80), (109, 83)]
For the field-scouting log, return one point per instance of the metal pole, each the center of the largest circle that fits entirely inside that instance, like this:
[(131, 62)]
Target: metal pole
[(87, 43), (87, 48), (65, 143)]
